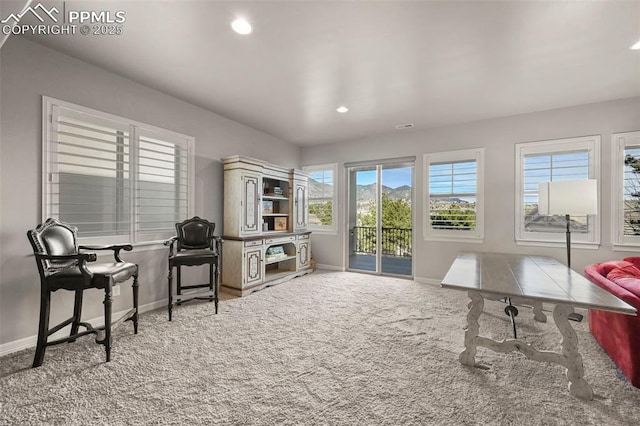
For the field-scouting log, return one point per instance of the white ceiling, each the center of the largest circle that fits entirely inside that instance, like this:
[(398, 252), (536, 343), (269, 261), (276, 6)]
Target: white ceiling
[(423, 62)]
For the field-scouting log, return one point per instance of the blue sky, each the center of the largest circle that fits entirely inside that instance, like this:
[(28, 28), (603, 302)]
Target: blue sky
[(393, 178)]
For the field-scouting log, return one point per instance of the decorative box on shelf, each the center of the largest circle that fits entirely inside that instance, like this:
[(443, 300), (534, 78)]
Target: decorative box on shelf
[(275, 252), (280, 224), (267, 207), (273, 191)]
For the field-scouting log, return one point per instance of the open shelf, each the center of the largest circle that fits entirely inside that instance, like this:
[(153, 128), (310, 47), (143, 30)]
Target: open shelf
[(280, 259), (284, 262), (275, 205), (282, 266)]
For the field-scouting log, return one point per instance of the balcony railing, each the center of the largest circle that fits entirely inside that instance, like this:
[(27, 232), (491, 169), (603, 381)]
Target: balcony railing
[(395, 241)]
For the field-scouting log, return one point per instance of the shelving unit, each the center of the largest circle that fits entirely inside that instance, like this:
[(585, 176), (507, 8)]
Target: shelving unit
[(265, 206), (278, 260), (275, 205)]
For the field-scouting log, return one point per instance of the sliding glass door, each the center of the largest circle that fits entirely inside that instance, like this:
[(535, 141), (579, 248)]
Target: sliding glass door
[(380, 217), (363, 210)]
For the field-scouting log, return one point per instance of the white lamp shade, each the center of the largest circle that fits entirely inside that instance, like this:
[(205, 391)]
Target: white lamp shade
[(572, 197)]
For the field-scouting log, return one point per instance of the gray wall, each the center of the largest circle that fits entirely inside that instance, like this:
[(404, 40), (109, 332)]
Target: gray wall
[(498, 137), (28, 71)]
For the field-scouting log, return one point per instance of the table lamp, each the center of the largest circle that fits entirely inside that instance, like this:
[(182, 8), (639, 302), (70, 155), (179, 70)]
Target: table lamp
[(568, 197)]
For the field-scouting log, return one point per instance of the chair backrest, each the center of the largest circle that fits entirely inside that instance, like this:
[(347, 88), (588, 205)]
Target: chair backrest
[(195, 233), (54, 237)]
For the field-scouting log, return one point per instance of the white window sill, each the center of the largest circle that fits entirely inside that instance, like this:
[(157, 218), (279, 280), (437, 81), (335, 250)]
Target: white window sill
[(141, 246), (149, 246), (630, 247), (445, 239), (560, 244)]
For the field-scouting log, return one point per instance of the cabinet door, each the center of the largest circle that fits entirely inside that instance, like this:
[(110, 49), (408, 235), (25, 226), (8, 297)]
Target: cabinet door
[(304, 254), (301, 208), (253, 265), (250, 204)]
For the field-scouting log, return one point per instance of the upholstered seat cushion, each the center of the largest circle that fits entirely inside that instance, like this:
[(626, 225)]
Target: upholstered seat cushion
[(626, 276), (71, 279), (196, 257)]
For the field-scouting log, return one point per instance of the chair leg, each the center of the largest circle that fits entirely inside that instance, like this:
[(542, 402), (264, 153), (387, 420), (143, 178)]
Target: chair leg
[(211, 275), (135, 303), (43, 327), (107, 321), (77, 313), (178, 283), (216, 287), (170, 304)]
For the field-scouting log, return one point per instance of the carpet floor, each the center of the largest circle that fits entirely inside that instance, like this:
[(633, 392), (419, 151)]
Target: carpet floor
[(329, 348)]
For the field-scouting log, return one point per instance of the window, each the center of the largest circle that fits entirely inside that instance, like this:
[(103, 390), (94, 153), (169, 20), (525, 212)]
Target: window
[(562, 159), (322, 197), (626, 189), (454, 205), (114, 179)]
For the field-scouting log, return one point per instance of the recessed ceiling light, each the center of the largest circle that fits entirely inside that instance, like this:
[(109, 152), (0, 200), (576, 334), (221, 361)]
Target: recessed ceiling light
[(342, 109), (241, 26), (636, 46)]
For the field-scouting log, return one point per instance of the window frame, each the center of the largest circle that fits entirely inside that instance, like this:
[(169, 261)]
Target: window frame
[(468, 236), (135, 127), (333, 228), (591, 144), (620, 242)]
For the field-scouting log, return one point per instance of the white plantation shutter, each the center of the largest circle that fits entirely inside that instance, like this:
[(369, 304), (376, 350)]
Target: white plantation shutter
[(322, 197), (625, 194), (89, 176), (554, 160), (454, 205), (325, 179), (631, 194), (452, 194), (162, 186), (114, 179), (548, 167)]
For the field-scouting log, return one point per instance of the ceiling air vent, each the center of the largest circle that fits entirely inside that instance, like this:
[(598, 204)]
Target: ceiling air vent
[(404, 126)]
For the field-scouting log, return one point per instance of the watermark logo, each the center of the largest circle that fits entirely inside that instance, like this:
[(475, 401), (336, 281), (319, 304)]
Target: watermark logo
[(33, 11), (69, 22)]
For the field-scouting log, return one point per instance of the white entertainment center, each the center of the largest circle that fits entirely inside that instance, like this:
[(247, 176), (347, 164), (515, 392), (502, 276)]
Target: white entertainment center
[(265, 225)]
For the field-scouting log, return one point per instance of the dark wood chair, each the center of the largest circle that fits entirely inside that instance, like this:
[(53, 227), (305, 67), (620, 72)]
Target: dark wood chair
[(63, 266), (194, 245)]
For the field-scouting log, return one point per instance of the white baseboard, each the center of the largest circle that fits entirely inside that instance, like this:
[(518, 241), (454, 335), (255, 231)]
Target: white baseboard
[(30, 342), (430, 281), (330, 267)]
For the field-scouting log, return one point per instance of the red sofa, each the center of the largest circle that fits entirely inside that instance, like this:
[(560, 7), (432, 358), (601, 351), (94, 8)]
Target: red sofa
[(618, 334)]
